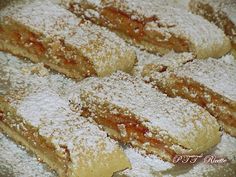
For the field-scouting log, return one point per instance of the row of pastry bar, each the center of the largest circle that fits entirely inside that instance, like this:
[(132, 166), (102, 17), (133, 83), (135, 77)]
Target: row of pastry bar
[(76, 47), (127, 108)]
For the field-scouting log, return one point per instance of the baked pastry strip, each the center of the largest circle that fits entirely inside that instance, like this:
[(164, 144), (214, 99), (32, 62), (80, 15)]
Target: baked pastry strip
[(45, 32), (210, 83), (220, 12), (135, 113), (155, 27), (35, 112)]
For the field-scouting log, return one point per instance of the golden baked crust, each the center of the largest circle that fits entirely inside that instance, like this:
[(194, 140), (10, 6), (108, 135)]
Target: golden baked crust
[(45, 32), (209, 83), (155, 27), (220, 12), (133, 112), (35, 112)]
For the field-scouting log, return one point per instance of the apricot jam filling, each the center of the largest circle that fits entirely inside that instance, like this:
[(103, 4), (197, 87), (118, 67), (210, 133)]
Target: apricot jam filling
[(199, 97), (135, 29), (35, 45), (133, 130)]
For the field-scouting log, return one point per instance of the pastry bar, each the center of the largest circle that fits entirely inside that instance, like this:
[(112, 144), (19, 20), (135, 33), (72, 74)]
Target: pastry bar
[(35, 112), (155, 27), (211, 83), (45, 32), (134, 112), (220, 12)]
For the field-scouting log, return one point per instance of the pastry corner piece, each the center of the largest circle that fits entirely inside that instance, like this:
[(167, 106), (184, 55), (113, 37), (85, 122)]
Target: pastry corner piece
[(133, 112), (220, 12), (155, 27), (45, 32), (210, 83), (35, 113)]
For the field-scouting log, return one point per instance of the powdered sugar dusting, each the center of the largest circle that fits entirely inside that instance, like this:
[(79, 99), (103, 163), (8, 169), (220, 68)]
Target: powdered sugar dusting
[(15, 161), (201, 34), (228, 7), (170, 60), (144, 165), (220, 12)]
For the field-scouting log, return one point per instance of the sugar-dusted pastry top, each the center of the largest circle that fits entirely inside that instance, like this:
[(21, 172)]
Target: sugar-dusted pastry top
[(42, 100), (217, 74), (227, 6), (102, 48), (183, 4), (15, 161), (205, 38), (219, 6), (223, 13), (148, 62), (168, 117)]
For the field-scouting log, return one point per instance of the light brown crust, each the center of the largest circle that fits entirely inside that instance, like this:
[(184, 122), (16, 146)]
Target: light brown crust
[(160, 29)]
